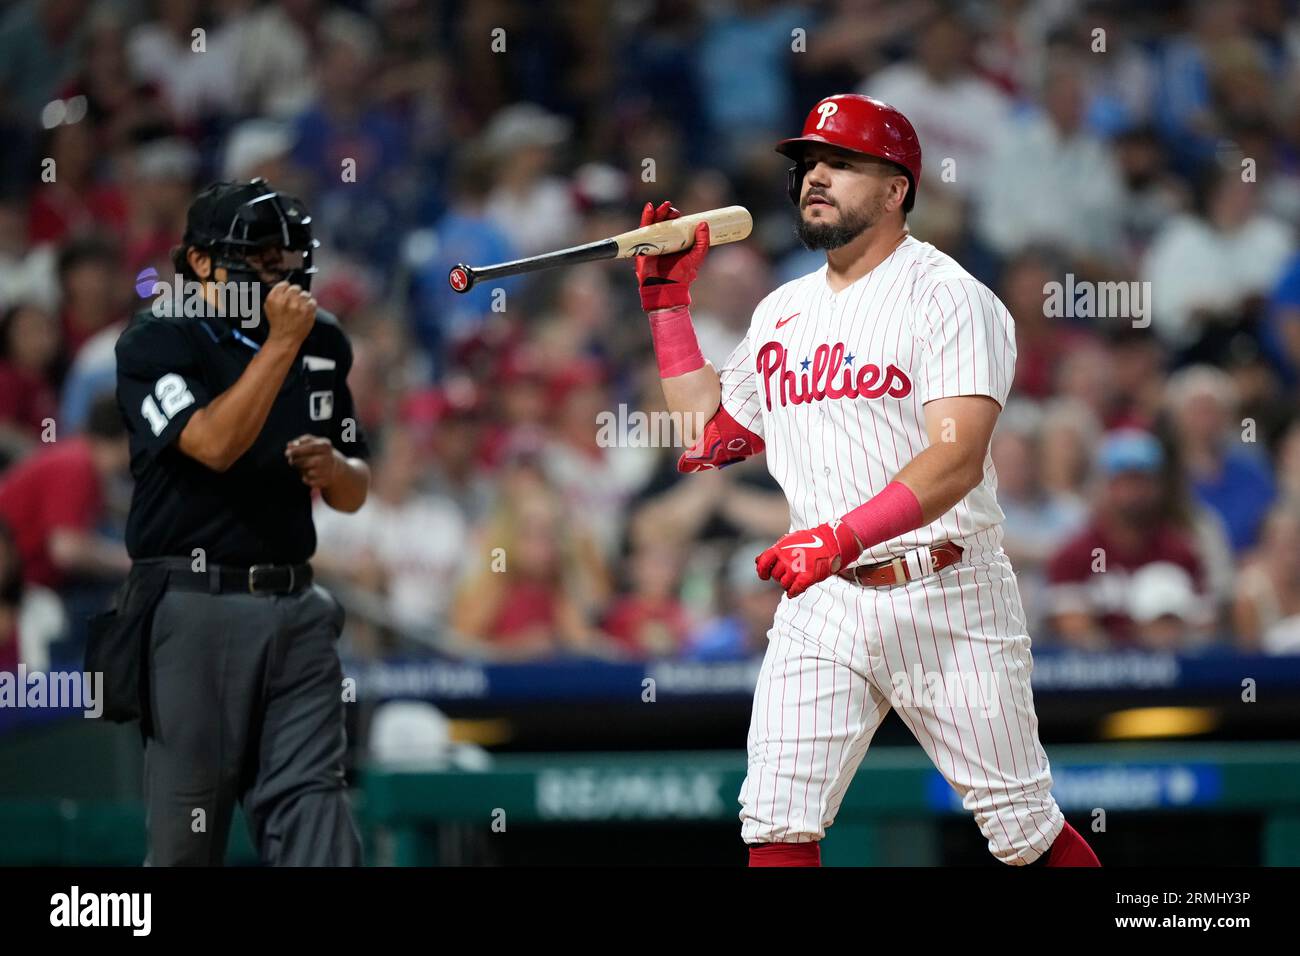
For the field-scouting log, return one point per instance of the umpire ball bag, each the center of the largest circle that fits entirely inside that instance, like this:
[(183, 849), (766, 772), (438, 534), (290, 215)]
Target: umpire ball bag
[(118, 644)]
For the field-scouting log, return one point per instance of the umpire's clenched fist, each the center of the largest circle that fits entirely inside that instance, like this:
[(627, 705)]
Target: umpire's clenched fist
[(315, 459), (290, 313)]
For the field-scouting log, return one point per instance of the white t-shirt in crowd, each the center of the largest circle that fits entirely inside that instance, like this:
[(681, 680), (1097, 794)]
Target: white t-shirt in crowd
[(1190, 264), (420, 543), (963, 120)]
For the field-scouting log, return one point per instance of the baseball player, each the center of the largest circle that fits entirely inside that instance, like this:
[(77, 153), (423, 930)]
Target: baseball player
[(873, 385)]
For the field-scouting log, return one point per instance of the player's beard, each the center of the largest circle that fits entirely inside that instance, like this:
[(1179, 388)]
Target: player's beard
[(824, 235)]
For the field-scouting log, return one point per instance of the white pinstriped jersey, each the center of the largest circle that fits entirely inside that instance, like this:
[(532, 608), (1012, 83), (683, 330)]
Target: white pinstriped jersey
[(835, 384)]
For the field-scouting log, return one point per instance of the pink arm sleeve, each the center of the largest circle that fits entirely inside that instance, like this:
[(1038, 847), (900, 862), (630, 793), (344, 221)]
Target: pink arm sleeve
[(894, 511), (676, 346)]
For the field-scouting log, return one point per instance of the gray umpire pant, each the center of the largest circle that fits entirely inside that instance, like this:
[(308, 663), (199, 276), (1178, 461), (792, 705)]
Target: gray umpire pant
[(247, 706)]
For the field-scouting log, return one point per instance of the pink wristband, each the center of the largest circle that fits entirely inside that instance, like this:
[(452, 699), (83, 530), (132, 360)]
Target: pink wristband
[(676, 347), (893, 512)]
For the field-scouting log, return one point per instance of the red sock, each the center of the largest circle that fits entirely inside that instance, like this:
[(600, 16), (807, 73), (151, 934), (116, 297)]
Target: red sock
[(1070, 849), (785, 854)]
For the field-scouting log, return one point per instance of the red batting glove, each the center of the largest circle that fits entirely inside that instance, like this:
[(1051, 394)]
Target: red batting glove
[(802, 558), (665, 279)]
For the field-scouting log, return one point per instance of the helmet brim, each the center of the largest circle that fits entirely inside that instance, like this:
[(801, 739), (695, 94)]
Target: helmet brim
[(794, 147)]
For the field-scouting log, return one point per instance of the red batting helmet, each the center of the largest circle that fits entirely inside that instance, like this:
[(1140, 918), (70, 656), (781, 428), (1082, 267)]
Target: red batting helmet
[(858, 123)]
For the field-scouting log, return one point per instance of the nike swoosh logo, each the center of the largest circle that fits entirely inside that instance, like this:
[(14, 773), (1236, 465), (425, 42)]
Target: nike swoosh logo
[(782, 322), (816, 542)]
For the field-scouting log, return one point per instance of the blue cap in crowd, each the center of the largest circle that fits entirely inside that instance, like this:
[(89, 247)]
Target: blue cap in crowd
[(1130, 449)]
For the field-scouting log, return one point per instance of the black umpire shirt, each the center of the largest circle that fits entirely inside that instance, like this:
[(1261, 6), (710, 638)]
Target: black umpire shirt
[(258, 511)]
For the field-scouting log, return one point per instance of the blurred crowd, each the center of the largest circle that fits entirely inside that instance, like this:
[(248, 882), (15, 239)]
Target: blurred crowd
[(1148, 463)]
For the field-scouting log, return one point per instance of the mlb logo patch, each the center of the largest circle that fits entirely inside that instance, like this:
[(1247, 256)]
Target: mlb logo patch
[(321, 405)]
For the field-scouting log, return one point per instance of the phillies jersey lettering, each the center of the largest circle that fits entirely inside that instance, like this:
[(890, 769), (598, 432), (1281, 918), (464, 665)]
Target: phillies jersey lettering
[(838, 396), (827, 362)]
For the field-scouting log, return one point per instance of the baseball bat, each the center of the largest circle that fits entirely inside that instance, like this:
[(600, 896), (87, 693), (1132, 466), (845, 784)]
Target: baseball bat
[(728, 224)]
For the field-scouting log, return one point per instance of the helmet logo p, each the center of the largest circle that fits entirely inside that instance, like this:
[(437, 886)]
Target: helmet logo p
[(827, 110)]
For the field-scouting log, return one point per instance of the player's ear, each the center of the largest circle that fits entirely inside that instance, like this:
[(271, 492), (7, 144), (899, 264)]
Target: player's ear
[(898, 191), (200, 263)]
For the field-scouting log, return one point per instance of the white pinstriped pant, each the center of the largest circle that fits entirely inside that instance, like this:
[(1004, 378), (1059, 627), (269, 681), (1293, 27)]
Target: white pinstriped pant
[(950, 653)]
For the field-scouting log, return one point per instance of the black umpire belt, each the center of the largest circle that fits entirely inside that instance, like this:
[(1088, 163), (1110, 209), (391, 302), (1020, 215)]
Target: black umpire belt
[(237, 579)]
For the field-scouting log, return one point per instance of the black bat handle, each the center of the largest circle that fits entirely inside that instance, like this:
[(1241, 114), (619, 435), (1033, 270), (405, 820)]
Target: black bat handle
[(462, 277)]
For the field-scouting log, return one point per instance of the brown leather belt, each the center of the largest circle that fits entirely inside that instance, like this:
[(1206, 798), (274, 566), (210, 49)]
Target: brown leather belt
[(898, 571)]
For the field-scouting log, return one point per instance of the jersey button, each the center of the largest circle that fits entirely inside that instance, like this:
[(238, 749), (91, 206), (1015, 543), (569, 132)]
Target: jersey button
[(828, 471)]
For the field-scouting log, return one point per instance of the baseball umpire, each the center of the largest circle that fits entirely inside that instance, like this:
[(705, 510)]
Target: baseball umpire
[(236, 414)]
